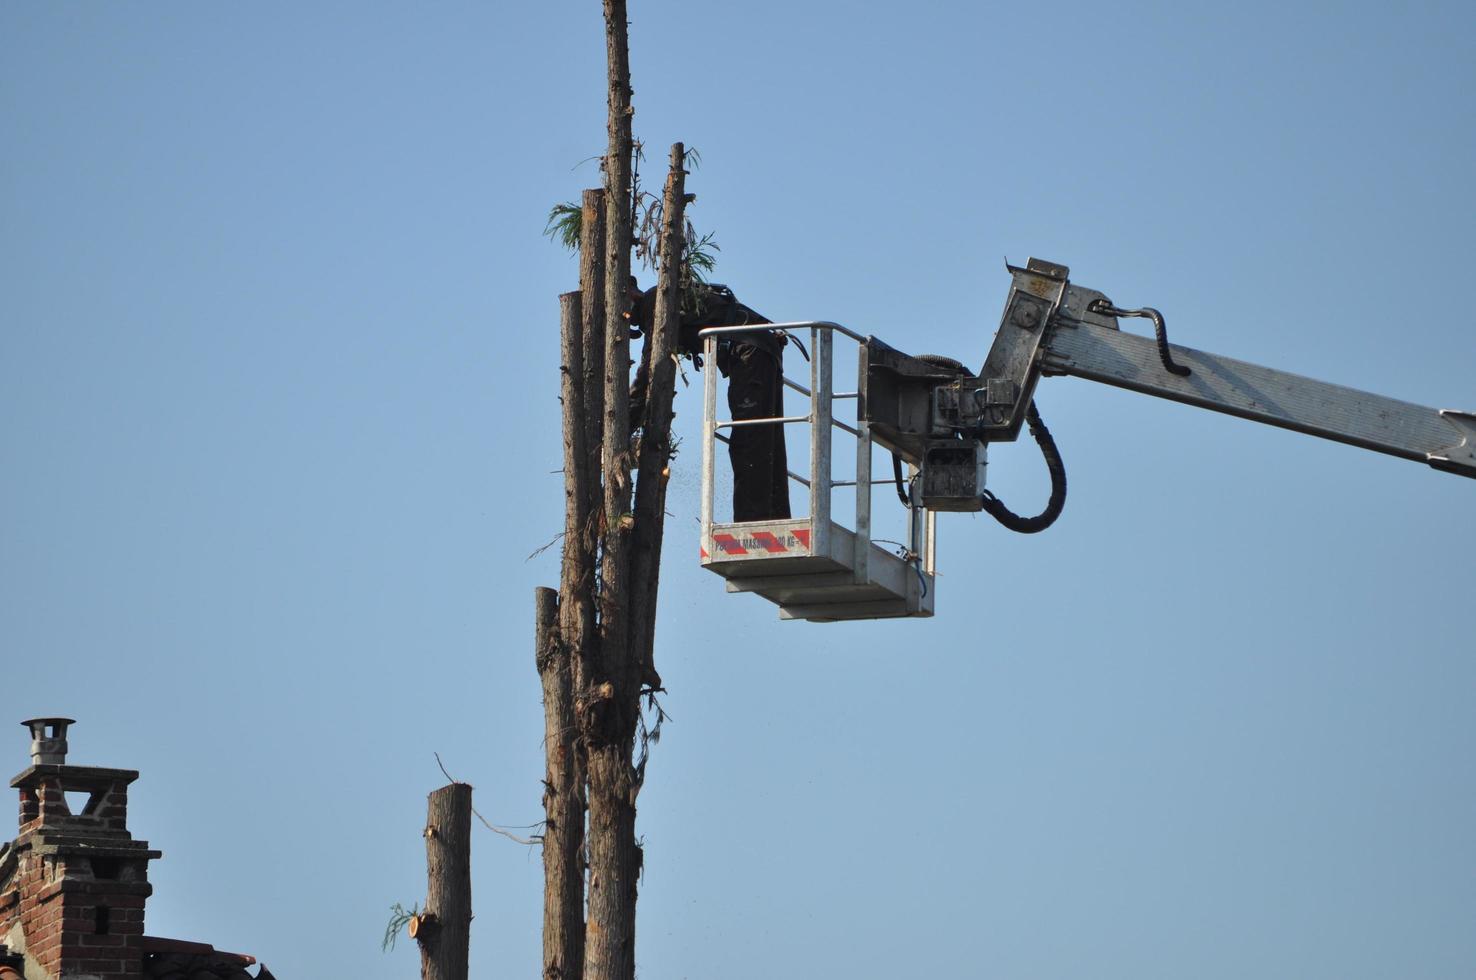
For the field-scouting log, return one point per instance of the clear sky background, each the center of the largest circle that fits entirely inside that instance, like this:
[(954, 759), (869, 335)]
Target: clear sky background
[(278, 416)]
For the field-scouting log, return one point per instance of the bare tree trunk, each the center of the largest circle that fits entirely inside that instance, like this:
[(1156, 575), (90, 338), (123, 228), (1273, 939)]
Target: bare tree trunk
[(567, 636), (592, 286), (614, 783), (615, 459), (579, 592), (563, 801), (443, 930), (581, 481), (615, 866), (652, 474), (609, 701)]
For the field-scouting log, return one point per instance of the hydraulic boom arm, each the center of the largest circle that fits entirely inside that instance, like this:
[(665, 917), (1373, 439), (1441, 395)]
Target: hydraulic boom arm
[(1444, 439), (930, 413)]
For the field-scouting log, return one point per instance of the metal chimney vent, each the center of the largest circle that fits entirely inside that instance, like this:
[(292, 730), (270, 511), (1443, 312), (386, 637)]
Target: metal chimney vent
[(48, 740)]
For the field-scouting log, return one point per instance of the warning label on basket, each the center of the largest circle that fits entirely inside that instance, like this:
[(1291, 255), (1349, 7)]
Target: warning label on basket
[(758, 541)]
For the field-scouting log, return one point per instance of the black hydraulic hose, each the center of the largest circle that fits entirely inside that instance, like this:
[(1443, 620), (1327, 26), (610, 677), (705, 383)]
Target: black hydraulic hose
[(1031, 525), (897, 477), (1160, 331)]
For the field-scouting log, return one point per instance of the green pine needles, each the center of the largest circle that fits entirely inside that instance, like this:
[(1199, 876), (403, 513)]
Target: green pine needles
[(699, 252)]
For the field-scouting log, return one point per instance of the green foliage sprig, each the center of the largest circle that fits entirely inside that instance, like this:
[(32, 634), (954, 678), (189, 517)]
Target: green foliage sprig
[(565, 222), (399, 916), (699, 252)]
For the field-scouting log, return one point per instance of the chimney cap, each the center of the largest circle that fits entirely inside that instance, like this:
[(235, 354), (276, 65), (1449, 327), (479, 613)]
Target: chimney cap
[(48, 739)]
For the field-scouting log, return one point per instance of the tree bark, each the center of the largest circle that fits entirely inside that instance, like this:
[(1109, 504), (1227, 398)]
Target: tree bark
[(592, 287), (591, 341), (655, 453), (563, 801), (609, 705), (581, 479), (577, 624), (615, 458), (614, 865), (444, 929)]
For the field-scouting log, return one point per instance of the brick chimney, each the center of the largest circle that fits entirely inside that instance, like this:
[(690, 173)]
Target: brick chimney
[(73, 885)]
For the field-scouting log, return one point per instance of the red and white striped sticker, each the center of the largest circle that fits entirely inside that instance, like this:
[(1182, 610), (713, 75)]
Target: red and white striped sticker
[(758, 542)]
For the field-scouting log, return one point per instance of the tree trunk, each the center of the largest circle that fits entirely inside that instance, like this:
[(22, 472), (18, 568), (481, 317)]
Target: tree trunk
[(592, 287), (615, 458), (563, 801), (614, 783), (567, 628), (444, 928), (578, 592), (581, 480), (652, 474), (609, 704), (614, 865)]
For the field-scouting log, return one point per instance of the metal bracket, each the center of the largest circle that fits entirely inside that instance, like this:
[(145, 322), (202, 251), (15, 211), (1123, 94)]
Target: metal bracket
[(1461, 457), (1034, 299)]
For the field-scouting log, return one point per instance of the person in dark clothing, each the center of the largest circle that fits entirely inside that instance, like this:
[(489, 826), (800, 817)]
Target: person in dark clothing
[(753, 364)]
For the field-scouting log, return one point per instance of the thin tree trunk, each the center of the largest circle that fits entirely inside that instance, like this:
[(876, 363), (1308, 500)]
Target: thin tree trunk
[(577, 624), (444, 928), (592, 286), (615, 458), (652, 474), (581, 474), (609, 701), (563, 801), (585, 643)]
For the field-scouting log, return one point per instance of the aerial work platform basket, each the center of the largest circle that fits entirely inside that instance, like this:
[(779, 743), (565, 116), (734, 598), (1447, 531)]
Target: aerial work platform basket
[(939, 418), (814, 567)]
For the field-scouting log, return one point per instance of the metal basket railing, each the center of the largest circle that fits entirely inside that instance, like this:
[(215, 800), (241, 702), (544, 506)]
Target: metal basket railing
[(821, 419)]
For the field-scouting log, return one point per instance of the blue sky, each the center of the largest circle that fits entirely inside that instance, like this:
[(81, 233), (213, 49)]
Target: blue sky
[(278, 416)]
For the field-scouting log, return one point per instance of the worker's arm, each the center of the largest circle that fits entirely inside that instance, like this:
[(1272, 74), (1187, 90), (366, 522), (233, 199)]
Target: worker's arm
[(642, 312)]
